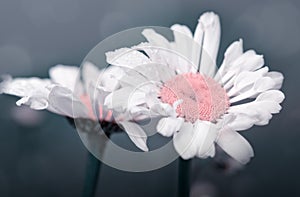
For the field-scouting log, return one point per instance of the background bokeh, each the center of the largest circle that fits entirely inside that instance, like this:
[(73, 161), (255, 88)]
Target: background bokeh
[(42, 155)]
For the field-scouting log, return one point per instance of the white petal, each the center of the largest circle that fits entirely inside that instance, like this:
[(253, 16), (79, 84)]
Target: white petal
[(244, 81), (178, 55), (126, 57), (235, 145), (124, 98), (62, 100), (65, 76), (277, 77), (158, 108), (206, 138), (98, 94), (33, 91), (183, 141), (271, 95), (133, 78), (248, 61), (90, 74), (110, 77), (257, 112), (232, 53), (136, 134), (168, 126), (260, 85), (208, 34), (264, 84), (139, 113), (23, 86), (244, 121), (155, 38), (182, 29), (185, 45), (34, 102), (165, 72), (212, 151), (195, 140)]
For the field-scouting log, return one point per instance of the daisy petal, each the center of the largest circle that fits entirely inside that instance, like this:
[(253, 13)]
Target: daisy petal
[(207, 133), (33, 91), (126, 57), (232, 53), (247, 78), (168, 126), (277, 77), (243, 121), (207, 35), (155, 38), (212, 151), (90, 74), (183, 141), (235, 145), (33, 102), (257, 112), (123, 98), (136, 134), (182, 29), (271, 95), (254, 87), (133, 78), (185, 45), (195, 140), (110, 78), (61, 99), (248, 61), (161, 51), (65, 76)]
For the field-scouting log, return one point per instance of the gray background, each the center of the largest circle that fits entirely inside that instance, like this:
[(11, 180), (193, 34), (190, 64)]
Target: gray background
[(43, 155)]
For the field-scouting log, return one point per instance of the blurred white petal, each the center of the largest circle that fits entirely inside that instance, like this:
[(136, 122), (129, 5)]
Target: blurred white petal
[(90, 74), (33, 91), (109, 78), (63, 101), (65, 76)]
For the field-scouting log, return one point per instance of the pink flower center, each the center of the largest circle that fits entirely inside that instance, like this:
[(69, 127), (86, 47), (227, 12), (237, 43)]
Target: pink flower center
[(202, 97)]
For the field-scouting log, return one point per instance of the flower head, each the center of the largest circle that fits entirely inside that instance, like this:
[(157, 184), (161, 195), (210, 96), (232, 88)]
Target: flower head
[(64, 94), (177, 81)]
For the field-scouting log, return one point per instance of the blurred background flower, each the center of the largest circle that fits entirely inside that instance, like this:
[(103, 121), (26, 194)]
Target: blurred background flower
[(36, 35)]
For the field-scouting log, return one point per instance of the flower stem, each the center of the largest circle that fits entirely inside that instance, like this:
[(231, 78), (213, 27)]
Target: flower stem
[(91, 177), (184, 178)]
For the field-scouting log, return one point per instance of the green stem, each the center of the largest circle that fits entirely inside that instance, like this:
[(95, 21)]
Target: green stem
[(91, 178), (184, 178)]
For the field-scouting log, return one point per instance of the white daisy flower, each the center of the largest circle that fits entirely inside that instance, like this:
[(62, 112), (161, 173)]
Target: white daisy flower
[(65, 95), (197, 105)]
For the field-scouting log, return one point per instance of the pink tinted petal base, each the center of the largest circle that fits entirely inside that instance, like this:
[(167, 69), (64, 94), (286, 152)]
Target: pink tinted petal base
[(202, 97), (85, 99)]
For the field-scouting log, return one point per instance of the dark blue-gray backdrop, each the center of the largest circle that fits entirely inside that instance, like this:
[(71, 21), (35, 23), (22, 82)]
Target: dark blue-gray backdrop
[(42, 155)]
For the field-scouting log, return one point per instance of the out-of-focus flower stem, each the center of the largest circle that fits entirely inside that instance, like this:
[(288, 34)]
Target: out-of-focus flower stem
[(184, 177), (93, 168)]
